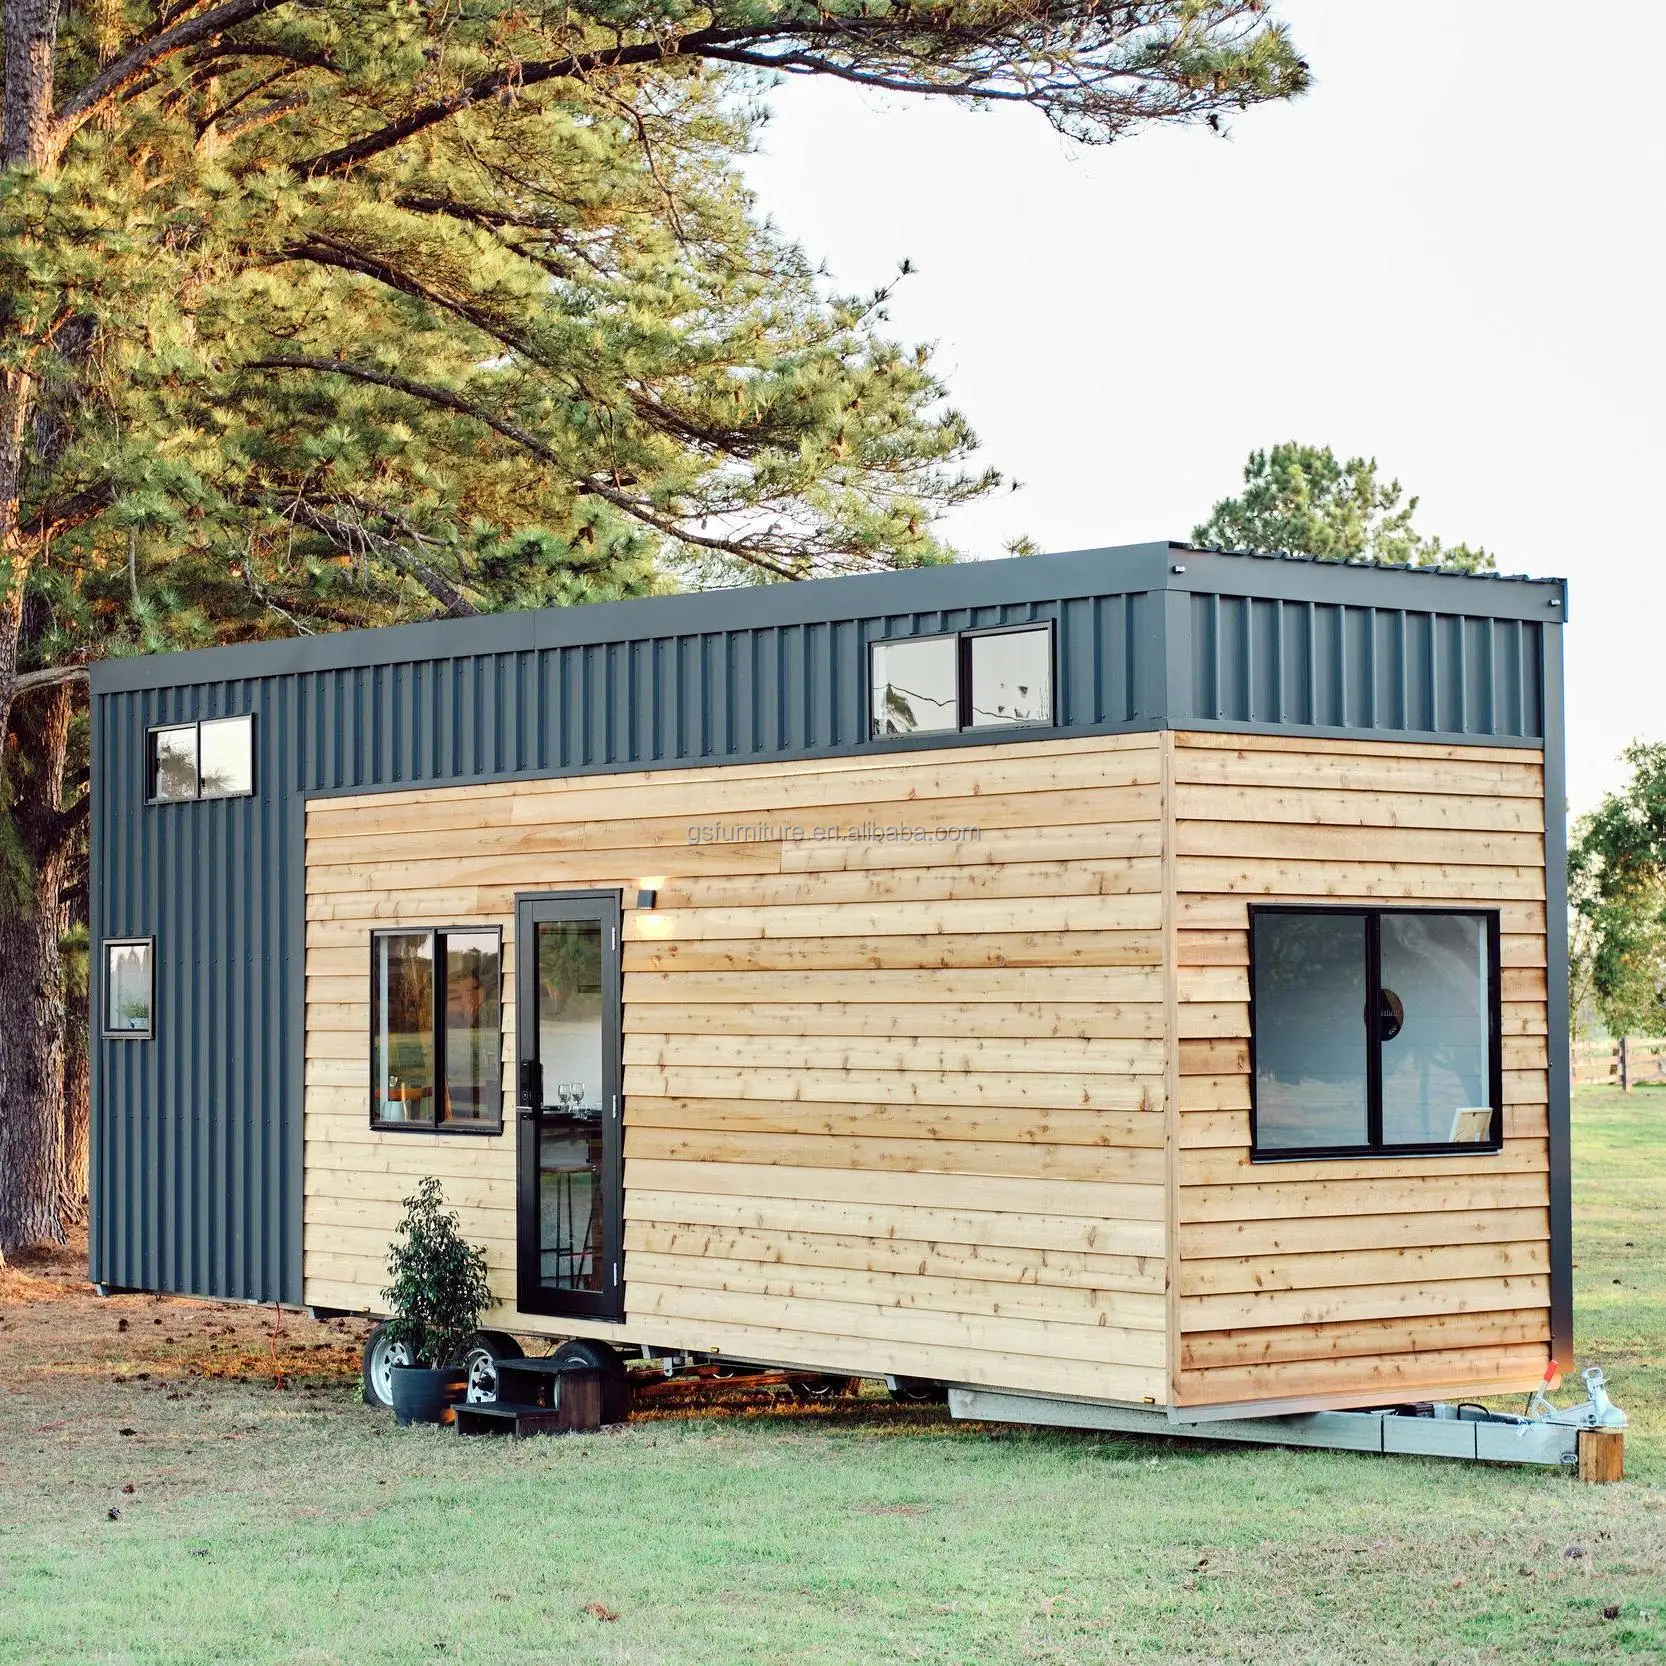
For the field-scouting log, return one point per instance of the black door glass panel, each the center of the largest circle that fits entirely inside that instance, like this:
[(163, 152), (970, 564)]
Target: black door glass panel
[(1311, 1060), (915, 686), (1437, 1065), (571, 1251), (1012, 678)]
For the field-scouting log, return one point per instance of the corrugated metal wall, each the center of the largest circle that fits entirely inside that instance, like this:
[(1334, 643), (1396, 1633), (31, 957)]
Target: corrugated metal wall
[(1264, 660), (196, 1165), (197, 1138), (661, 701)]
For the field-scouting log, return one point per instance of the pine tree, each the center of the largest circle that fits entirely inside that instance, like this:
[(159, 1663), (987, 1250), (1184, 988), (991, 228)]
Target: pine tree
[(314, 316), (1301, 500)]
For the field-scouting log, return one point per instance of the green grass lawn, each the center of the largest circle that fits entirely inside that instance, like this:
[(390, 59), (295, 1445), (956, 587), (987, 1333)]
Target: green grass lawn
[(301, 1527)]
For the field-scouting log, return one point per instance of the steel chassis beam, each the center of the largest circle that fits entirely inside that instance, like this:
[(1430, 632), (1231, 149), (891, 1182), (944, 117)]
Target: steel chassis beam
[(1495, 1438)]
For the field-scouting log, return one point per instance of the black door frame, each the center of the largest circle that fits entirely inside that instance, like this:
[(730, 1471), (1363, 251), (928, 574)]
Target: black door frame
[(608, 1303)]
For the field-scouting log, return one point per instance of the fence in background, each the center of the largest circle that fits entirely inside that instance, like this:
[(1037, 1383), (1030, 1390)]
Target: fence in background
[(1619, 1063)]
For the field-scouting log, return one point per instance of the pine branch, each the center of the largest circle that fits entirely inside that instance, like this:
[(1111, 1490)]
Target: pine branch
[(441, 397), (322, 250), (53, 677), (446, 400), (354, 537), (135, 64), (517, 77)]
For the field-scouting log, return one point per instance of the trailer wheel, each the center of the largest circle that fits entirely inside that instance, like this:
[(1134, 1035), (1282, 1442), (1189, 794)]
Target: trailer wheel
[(828, 1388), (616, 1382), (381, 1354), (480, 1362), (917, 1391)]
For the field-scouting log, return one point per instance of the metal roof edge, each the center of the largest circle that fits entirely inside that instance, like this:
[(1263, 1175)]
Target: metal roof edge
[(957, 585), (1365, 584), (1108, 570)]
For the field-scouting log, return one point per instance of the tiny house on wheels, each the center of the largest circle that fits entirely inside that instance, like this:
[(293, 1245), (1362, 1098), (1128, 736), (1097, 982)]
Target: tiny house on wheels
[(1126, 983)]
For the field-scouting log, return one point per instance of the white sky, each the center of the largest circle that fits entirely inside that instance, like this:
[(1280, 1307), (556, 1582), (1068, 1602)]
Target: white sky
[(1446, 256)]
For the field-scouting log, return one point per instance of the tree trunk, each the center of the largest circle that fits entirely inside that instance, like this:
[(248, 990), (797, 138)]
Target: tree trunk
[(32, 1012), (32, 1067), (31, 945), (31, 70), (31, 45), (77, 1102)]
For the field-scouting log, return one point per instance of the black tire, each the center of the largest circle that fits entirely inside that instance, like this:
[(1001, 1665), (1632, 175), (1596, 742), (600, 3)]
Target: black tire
[(616, 1382), (919, 1391), (380, 1353), (828, 1388), (480, 1361)]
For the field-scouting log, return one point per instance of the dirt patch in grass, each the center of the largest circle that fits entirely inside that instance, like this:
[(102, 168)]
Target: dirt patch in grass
[(55, 1325)]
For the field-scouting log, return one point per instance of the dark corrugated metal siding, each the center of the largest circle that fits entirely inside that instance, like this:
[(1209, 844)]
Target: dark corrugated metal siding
[(197, 1132), (1257, 660), (195, 1160), (729, 696)]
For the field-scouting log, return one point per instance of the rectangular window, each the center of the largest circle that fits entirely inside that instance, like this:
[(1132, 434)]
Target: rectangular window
[(977, 679), (173, 764), (211, 759), (1010, 678), (1374, 1031), (436, 1030), (129, 989), (473, 1028), (226, 751), (915, 686)]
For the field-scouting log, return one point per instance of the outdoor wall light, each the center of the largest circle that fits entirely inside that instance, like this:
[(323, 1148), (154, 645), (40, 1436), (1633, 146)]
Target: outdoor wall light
[(645, 899)]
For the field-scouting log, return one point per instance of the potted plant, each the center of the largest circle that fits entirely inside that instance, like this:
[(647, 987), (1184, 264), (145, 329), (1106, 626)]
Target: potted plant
[(437, 1298)]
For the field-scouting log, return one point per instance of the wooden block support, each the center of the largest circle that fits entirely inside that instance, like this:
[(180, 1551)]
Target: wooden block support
[(1601, 1455)]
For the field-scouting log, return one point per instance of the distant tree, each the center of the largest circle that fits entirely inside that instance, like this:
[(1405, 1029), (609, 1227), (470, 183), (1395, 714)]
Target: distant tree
[(1617, 889), (1299, 500)]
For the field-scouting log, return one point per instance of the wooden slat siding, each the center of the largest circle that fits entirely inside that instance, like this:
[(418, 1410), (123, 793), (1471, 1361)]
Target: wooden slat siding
[(1332, 1280), (889, 1106)]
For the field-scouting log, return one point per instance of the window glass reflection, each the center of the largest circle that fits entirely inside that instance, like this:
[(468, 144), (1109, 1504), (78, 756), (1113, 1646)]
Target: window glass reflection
[(1012, 678), (570, 1128), (1310, 1040), (127, 988), (473, 1027), (402, 1028), (173, 764), (915, 686), (1437, 1069), (227, 757)]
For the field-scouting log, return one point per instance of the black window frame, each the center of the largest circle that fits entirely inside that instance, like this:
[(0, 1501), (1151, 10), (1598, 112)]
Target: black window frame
[(195, 725), (963, 641), (1372, 916), (148, 1033), (470, 1127)]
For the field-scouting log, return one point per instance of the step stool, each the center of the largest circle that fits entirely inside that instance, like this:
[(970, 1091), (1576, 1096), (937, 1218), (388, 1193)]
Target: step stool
[(537, 1397)]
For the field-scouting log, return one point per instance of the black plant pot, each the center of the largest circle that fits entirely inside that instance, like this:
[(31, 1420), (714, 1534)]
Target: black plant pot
[(421, 1395)]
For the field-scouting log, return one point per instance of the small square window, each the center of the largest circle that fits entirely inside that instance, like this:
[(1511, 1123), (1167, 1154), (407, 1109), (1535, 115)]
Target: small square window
[(173, 764), (1011, 678), (915, 687), (129, 989), (226, 750)]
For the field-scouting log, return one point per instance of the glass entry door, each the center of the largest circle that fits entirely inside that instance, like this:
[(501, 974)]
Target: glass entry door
[(571, 1157)]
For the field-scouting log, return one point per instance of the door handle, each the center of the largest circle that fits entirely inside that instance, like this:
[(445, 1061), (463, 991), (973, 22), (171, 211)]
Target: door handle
[(532, 1087)]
